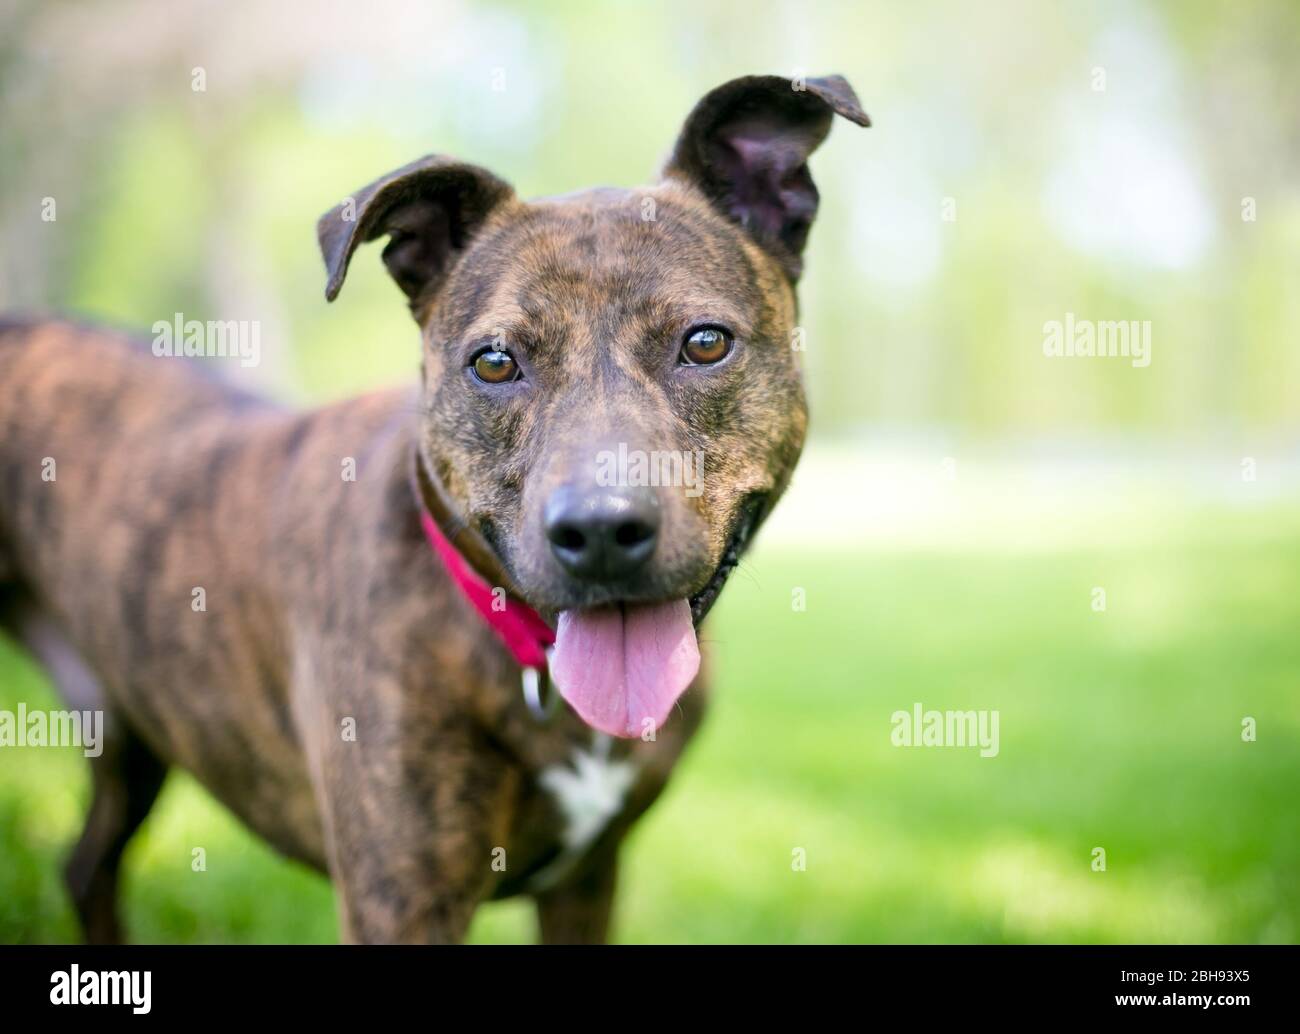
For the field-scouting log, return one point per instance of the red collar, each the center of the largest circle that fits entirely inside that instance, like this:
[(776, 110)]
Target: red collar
[(476, 571), (519, 627)]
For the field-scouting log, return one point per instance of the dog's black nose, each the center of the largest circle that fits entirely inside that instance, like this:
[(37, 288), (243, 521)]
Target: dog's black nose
[(603, 534)]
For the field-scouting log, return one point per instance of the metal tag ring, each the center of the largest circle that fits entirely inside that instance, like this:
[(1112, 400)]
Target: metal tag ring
[(542, 698)]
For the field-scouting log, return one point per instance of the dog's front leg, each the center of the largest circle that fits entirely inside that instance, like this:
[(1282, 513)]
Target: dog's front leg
[(578, 910), (413, 811)]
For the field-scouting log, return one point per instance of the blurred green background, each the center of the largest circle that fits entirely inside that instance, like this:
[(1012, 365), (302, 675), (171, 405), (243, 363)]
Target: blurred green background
[(960, 499)]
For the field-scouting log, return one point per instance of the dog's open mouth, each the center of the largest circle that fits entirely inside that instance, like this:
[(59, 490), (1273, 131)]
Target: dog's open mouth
[(622, 667)]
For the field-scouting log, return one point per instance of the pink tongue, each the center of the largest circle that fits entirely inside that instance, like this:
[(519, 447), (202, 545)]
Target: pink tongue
[(619, 666)]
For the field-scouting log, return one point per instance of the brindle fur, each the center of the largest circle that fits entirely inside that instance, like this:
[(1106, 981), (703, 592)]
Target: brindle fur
[(323, 599)]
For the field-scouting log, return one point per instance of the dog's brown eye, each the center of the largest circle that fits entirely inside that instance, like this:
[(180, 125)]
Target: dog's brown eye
[(705, 346), (495, 367)]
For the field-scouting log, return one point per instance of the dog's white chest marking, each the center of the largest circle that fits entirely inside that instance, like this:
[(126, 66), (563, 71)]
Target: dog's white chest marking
[(589, 794)]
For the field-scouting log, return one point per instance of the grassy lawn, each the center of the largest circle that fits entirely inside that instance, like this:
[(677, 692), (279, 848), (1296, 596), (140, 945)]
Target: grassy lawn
[(1119, 730)]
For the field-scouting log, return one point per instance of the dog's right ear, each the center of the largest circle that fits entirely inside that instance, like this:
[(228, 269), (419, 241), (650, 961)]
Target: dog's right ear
[(430, 209)]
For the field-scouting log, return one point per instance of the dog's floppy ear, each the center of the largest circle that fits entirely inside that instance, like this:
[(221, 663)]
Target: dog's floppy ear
[(746, 145), (430, 209)]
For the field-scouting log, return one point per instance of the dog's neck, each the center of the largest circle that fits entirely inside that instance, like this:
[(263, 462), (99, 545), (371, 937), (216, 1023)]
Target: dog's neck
[(477, 572), (454, 529)]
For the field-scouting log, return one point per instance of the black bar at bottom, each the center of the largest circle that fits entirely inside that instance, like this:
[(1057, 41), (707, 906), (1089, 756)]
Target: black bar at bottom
[(364, 983)]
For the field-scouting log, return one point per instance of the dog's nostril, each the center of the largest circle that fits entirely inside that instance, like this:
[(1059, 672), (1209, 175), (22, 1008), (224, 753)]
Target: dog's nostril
[(633, 533), (567, 537)]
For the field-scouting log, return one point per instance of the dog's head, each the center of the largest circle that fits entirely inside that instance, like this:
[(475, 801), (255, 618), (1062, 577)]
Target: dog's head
[(612, 395)]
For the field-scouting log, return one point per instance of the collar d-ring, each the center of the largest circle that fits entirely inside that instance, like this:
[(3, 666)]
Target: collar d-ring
[(541, 696)]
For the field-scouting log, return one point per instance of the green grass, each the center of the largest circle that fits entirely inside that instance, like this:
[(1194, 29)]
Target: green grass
[(1119, 730)]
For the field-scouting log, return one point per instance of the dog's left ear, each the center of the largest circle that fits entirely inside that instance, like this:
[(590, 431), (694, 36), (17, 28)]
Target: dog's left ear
[(430, 209), (746, 146)]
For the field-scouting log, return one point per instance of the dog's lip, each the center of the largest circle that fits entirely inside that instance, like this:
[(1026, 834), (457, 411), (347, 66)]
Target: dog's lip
[(751, 512)]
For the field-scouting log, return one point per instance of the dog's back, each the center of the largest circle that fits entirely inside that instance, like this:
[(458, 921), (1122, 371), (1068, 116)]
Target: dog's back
[(136, 522), (81, 408), (91, 425)]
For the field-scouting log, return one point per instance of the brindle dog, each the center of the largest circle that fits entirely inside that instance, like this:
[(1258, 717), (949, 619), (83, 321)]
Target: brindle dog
[(659, 319)]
